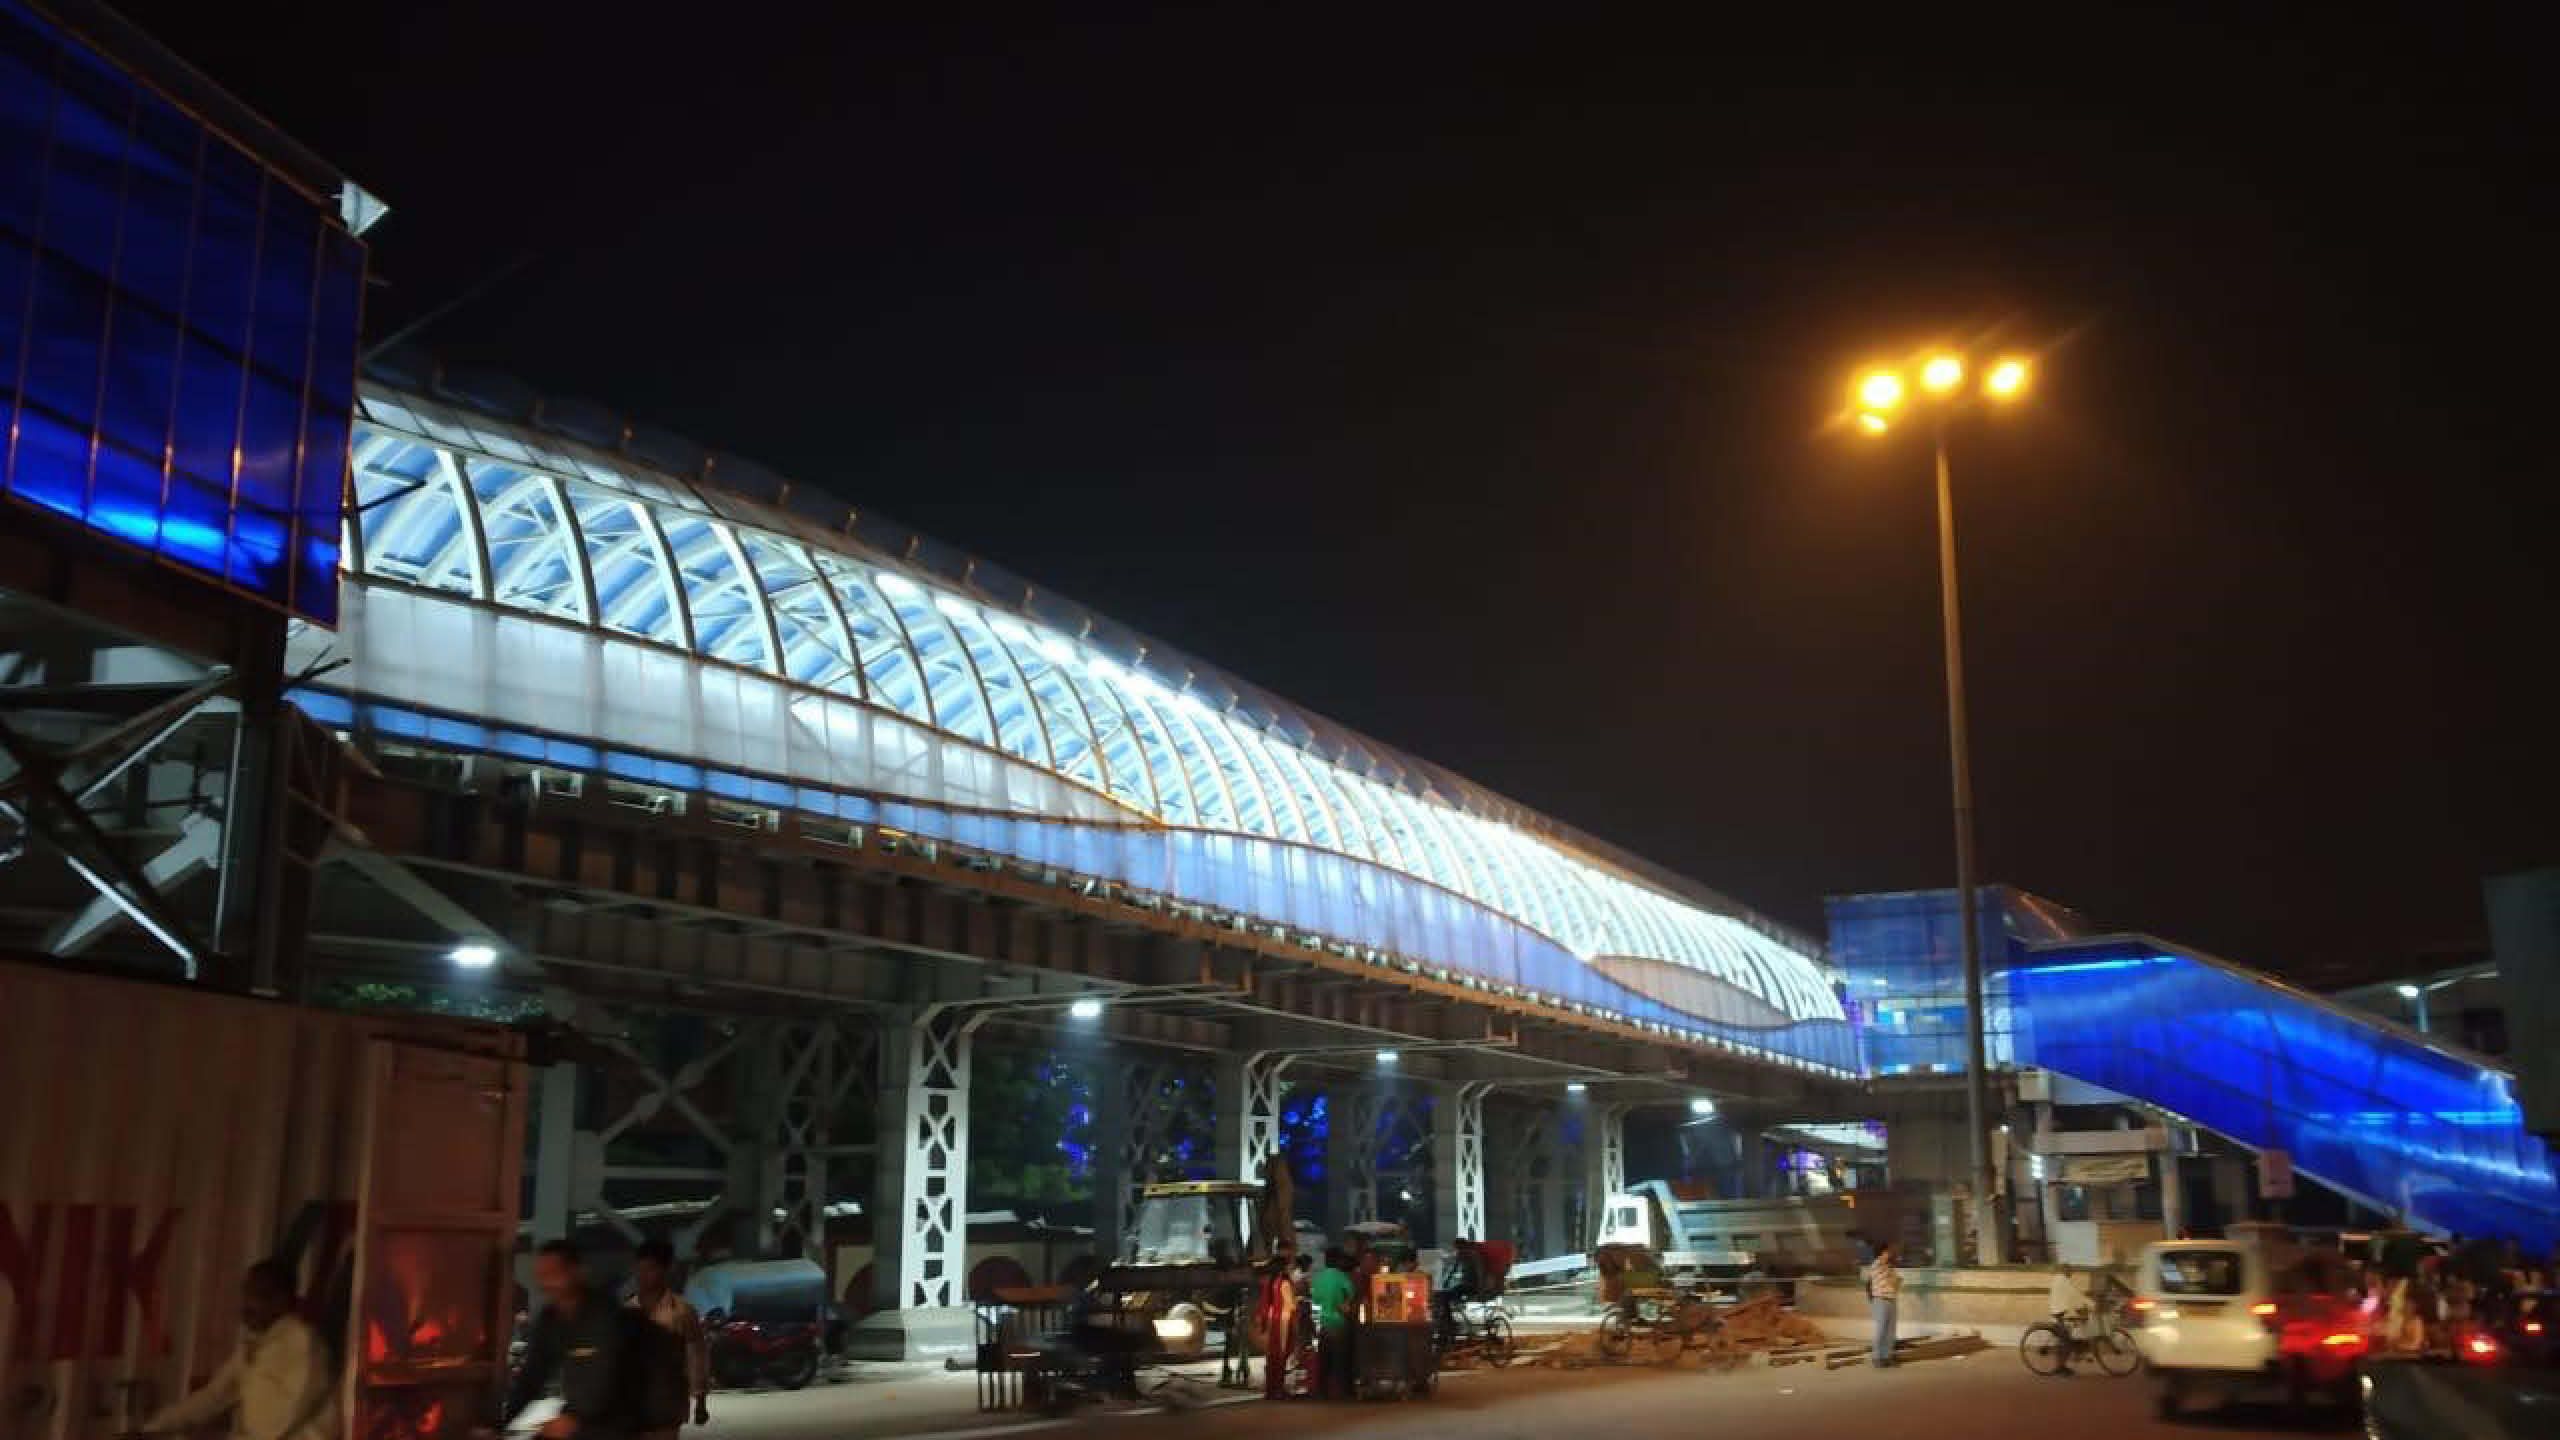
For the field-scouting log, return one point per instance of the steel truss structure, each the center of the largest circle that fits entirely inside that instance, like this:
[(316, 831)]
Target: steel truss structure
[(599, 606)]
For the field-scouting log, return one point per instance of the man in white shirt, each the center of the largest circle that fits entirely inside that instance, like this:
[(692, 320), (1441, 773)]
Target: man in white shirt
[(2069, 1303), (278, 1385)]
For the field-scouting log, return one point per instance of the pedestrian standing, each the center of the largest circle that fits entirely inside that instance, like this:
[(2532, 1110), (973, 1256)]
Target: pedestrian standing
[(277, 1385), (586, 1341), (1884, 1293), (1279, 1324), (1332, 1304), (677, 1366)]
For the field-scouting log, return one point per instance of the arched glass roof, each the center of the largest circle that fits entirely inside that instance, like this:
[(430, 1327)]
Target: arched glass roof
[(579, 528)]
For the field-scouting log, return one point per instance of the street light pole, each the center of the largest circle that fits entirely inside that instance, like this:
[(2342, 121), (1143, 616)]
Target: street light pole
[(1989, 1234), (1879, 396)]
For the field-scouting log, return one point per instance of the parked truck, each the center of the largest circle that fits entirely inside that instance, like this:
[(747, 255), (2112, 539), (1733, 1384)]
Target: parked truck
[(1711, 1239), (156, 1139)]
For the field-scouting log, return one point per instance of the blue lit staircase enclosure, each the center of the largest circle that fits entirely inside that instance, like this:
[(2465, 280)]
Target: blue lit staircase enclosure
[(2366, 1107)]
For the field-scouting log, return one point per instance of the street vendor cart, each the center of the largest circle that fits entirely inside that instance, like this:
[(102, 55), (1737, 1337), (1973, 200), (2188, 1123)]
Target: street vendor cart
[(1393, 1353)]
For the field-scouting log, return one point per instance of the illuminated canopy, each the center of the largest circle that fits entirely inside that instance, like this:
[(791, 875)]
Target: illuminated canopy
[(1014, 702)]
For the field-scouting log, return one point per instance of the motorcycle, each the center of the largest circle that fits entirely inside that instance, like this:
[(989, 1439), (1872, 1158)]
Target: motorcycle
[(745, 1353)]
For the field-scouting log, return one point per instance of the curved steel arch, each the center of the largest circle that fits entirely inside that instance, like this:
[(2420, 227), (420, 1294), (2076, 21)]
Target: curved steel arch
[(888, 634)]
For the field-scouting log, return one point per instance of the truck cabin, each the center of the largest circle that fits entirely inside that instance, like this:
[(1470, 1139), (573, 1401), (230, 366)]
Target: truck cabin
[(1196, 1223)]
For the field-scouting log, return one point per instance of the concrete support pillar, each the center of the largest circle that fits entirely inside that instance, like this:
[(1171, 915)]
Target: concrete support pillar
[(1604, 1161), (1351, 1155), (1510, 1154), (555, 1153), (1124, 1112), (2231, 1187), (1554, 1235), (1457, 1164), (2173, 1191), (919, 1211)]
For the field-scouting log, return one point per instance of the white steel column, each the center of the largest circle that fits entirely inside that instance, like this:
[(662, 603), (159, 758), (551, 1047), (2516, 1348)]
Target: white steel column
[(1457, 1164), (919, 1216), (1604, 1162), (1250, 1089)]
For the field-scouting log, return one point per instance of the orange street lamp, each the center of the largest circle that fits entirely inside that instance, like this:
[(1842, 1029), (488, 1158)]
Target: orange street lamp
[(1879, 394)]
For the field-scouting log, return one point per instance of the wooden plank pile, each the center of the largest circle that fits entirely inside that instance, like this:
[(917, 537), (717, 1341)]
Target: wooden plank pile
[(1906, 1351)]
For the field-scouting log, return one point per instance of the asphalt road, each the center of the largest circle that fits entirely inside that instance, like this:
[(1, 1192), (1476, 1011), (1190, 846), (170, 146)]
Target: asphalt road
[(1986, 1396)]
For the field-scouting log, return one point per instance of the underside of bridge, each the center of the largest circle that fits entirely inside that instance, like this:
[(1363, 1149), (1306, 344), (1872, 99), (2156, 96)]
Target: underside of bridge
[(756, 1021)]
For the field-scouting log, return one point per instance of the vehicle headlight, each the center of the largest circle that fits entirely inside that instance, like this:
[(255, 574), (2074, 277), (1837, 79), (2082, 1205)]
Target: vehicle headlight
[(1181, 1325)]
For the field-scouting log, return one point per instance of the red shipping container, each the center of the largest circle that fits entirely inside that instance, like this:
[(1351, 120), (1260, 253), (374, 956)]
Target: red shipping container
[(155, 1140)]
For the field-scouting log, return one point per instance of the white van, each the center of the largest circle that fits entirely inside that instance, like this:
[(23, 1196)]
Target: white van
[(2223, 1316)]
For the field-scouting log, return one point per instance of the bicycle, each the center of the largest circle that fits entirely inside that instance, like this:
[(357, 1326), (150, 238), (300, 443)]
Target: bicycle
[(1479, 1329), (1670, 1322), (2050, 1346)]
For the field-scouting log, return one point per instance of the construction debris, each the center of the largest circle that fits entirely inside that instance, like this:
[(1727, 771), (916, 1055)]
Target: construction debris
[(1766, 1323)]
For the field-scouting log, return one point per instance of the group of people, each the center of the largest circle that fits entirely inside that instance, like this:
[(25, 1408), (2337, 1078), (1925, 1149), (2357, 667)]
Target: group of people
[(637, 1370), (2424, 1299), (1308, 1315), (1312, 1313)]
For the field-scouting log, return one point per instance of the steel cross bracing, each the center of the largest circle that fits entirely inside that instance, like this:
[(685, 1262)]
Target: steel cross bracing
[(1465, 1131), (1262, 1078), (1141, 1103), (826, 1064), (955, 697)]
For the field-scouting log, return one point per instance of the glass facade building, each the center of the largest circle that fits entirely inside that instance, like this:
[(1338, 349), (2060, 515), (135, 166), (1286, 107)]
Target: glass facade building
[(1901, 956), (178, 323)]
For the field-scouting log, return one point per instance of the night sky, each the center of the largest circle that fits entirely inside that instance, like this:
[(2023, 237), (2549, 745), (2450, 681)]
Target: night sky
[(1465, 383)]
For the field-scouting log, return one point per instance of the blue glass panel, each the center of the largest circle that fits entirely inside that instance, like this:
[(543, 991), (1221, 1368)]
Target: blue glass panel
[(722, 783), (142, 381), (65, 350), (517, 744), (270, 436), (50, 465), (287, 259), (222, 263), (85, 169), (629, 766), (570, 753), (329, 709), (767, 792), (391, 720), (2361, 1106), (462, 733), (677, 774), (315, 579), (124, 495), (195, 528), (159, 205), (15, 262), (208, 416)]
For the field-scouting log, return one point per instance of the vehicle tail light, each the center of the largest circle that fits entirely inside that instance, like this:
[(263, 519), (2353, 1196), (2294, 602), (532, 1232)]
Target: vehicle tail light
[(2533, 1327), (2142, 1309), (2262, 1308), (2480, 1350), (2267, 1316), (2343, 1338)]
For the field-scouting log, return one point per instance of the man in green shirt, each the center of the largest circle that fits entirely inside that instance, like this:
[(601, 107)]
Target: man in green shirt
[(1331, 1298)]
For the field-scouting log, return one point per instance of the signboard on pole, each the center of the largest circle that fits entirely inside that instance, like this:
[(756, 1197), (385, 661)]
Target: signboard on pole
[(2275, 1174)]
